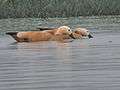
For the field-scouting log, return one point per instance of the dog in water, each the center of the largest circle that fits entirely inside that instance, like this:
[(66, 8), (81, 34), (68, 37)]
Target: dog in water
[(57, 34), (80, 33)]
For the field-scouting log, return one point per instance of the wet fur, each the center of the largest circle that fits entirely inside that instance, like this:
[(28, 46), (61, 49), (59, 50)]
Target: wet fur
[(33, 36)]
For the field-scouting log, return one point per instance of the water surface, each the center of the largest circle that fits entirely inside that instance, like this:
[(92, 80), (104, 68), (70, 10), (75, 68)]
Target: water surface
[(88, 64)]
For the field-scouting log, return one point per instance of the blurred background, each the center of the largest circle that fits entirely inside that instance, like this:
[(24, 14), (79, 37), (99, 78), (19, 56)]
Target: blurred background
[(57, 8)]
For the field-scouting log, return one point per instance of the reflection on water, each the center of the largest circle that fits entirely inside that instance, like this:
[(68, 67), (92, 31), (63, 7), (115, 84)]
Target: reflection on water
[(88, 64)]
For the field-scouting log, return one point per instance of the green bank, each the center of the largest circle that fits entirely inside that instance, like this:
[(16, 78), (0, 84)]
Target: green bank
[(57, 8)]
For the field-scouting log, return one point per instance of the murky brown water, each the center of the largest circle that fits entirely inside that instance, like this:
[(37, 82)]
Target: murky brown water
[(88, 64)]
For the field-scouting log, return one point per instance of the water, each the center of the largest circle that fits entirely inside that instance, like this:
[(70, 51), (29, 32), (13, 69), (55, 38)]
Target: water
[(88, 64)]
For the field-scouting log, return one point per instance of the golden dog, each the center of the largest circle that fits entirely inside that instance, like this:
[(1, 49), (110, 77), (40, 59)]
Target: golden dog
[(58, 34)]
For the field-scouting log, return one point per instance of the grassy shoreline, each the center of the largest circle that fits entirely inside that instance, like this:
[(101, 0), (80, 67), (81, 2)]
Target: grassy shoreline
[(57, 8)]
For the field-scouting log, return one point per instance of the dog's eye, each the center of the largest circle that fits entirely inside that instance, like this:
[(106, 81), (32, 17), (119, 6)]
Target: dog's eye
[(69, 29)]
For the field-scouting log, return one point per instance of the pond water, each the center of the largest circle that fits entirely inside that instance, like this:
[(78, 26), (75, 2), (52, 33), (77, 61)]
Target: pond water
[(87, 64)]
